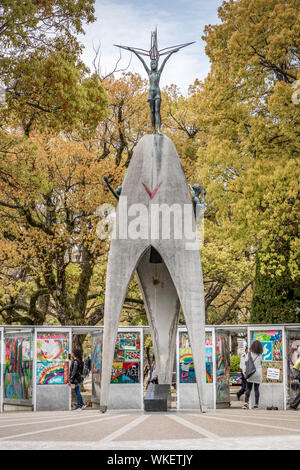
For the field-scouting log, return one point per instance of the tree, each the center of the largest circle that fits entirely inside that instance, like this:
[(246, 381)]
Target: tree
[(274, 302), (128, 118), (50, 189), (53, 90), (39, 61), (251, 147), (227, 271), (26, 25), (47, 171)]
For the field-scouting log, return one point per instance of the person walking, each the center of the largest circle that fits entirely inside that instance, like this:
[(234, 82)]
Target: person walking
[(75, 377), (255, 379), (152, 377), (296, 370), (243, 369)]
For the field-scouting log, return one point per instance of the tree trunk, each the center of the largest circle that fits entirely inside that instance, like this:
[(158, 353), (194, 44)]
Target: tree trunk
[(234, 344), (77, 342), (81, 297)]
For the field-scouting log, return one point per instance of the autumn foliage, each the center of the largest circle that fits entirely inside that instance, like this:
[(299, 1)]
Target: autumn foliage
[(63, 128)]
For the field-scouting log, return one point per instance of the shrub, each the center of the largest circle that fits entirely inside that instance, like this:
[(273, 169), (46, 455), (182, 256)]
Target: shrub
[(235, 364)]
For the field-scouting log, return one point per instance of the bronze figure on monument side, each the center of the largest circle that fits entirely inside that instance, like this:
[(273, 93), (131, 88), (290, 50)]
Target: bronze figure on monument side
[(196, 191), (154, 74), (117, 192)]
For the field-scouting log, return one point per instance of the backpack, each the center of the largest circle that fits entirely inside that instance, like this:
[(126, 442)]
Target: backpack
[(297, 364), (250, 367), (296, 369)]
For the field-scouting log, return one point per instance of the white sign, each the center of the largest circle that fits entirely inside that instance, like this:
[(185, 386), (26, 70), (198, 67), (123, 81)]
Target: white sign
[(273, 374), (185, 367)]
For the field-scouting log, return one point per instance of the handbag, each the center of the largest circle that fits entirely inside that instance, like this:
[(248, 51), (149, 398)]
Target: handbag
[(250, 367), (297, 364), (295, 374)]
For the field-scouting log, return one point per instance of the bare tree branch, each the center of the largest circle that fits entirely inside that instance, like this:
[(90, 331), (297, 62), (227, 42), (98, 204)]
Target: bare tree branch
[(97, 64)]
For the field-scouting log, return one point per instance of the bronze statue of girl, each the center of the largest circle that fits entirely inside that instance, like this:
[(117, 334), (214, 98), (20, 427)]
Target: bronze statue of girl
[(154, 74)]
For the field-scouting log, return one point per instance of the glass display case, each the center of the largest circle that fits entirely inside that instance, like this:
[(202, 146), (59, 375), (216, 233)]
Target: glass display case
[(96, 355), (293, 352), (18, 368), (186, 364), (52, 358), (271, 341), (126, 367), (222, 368)]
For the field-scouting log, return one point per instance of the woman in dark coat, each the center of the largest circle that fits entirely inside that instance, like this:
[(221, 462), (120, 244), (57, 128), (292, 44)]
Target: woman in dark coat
[(75, 376)]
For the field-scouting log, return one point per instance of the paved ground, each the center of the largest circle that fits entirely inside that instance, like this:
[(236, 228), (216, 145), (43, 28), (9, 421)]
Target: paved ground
[(128, 430)]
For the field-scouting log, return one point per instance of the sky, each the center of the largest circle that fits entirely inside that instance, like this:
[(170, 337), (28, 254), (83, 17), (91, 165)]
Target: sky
[(130, 22)]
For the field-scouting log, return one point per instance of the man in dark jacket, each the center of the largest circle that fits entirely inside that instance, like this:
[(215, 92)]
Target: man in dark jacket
[(75, 377)]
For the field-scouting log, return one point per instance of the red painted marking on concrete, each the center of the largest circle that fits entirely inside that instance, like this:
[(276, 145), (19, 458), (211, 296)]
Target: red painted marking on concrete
[(152, 194)]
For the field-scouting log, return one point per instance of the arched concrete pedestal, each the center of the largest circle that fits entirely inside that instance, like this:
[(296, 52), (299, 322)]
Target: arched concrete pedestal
[(154, 187)]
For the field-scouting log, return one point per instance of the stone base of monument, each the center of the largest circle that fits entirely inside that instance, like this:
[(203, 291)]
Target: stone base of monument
[(157, 397)]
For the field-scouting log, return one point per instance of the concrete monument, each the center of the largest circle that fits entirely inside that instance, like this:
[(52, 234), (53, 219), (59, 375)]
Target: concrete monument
[(155, 236)]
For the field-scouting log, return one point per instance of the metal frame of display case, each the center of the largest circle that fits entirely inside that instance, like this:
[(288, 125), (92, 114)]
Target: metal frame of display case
[(183, 329), (247, 329), (288, 327), (1, 367), (179, 330), (126, 329), (214, 367), (94, 398), (273, 327), (88, 330), (226, 332), (140, 330), (238, 329), (45, 330), (16, 330)]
